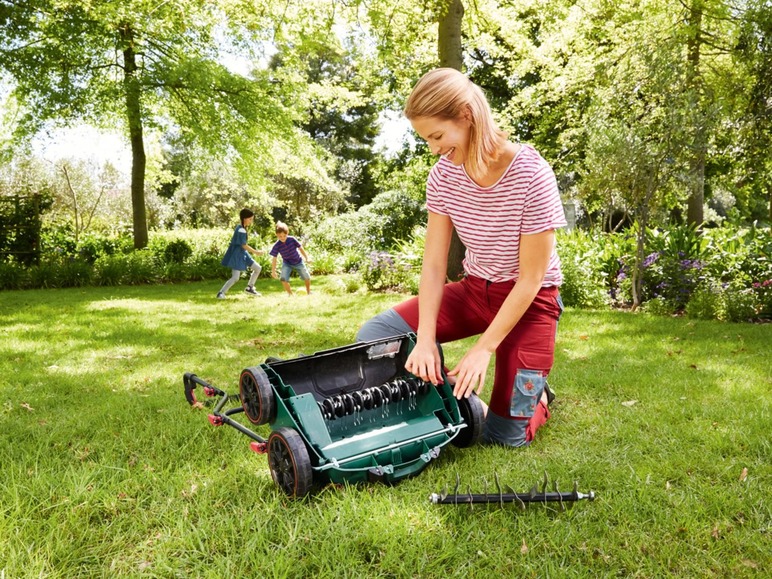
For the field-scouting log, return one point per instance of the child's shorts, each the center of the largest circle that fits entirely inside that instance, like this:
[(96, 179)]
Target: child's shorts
[(288, 268)]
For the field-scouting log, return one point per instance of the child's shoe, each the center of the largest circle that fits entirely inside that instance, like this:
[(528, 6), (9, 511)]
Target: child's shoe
[(220, 296), (251, 290)]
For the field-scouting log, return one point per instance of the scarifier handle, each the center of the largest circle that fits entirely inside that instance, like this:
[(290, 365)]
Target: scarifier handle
[(190, 380)]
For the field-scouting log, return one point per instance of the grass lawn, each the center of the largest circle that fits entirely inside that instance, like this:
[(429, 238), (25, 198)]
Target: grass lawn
[(106, 471)]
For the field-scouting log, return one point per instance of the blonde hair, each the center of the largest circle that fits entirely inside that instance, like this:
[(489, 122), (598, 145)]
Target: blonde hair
[(448, 94), (281, 227)]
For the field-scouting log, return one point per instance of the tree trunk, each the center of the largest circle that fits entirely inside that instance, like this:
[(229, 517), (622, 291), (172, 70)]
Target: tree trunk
[(640, 251), (696, 203), (134, 116), (75, 209), (694, 211), (451, 56), (449, 35)]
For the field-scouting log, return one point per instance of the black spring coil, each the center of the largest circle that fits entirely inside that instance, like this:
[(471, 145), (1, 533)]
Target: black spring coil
[(374, 397)]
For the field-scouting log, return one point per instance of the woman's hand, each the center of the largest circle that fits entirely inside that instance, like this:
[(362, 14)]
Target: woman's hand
[(470, 372), (425, 362)]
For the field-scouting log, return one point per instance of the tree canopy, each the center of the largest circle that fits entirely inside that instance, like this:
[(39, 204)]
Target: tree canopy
[(278, 105)]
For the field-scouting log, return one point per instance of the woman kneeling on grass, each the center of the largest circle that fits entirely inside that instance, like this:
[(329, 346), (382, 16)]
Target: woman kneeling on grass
[(502, 199)]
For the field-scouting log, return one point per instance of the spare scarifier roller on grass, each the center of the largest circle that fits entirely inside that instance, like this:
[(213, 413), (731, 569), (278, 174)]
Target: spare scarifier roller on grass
[(502, 497), (349, 414)]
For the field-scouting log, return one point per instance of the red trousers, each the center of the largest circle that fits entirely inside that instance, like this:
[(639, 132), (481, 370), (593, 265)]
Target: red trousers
[(523, 359)]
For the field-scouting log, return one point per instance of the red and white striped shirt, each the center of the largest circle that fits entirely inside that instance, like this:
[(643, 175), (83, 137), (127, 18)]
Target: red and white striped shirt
[(490, 220)]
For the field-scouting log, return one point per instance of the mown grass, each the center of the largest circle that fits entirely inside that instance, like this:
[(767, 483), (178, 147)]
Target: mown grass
[(105, 471)]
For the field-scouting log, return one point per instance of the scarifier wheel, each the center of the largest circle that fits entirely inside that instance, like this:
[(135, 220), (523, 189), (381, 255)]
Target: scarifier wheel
[(289, 462), (472, 412), (257, 396)]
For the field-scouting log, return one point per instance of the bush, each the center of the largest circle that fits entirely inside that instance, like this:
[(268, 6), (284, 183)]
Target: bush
[(109, 270), (659, 307), (706, 302), (347, 284), (175, 272), (740, 304), (390, 218), (93, 246), (44, 275), (583, 278), (176, 251), (614, 260), (382, 271), (763, 290), (12, 276), (75, 273), (141, 268), (352, 261), (323, 263), (723, 273), (673, 269), (203, 266)]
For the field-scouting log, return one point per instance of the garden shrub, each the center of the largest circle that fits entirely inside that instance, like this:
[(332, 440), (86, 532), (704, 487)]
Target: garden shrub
[(382, 271), (659, 306), (706, 303), (673, 269), (13, 276), (205, 266), (721, 273), (346, 284), (583, 279), (175, 272), (44, 275), (352, 260), (740, 303), (75, 273), (614, 260), (398, 214), (323, 263), (141, 268), (110, 269), (390, 217), (763, 290), (176, 251), (351, 284), (93, 246)]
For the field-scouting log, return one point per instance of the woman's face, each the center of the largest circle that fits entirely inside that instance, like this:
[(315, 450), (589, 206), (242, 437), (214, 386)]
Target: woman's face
[(446, 137)]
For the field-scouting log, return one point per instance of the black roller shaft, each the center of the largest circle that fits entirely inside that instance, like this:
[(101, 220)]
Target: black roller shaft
[(370, 398), (463, 499)]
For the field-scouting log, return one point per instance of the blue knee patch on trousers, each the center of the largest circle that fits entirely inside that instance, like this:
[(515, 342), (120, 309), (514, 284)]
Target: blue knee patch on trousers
[(526, 392)]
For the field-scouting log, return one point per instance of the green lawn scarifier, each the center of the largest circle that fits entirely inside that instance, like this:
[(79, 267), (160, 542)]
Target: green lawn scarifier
[(349, 414)]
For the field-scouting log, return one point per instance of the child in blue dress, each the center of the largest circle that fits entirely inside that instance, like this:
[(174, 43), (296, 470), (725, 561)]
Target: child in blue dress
[(238, 259)]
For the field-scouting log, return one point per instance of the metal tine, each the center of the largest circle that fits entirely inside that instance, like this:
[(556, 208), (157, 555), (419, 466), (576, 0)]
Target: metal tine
[(545, 483), (533, 492), (560, 497), (471, 500), (455, 490), (520, 502), (498, 486), (444, 494)]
